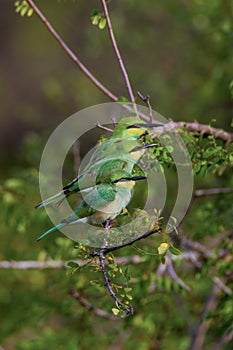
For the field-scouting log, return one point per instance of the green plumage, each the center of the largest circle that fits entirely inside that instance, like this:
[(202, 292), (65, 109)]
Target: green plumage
[(103, 164), (102, 203), (108, 178)]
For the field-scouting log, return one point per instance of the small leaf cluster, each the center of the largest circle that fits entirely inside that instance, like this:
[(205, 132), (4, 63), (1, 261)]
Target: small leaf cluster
[(208, 155), (23, 8), (98, 19)]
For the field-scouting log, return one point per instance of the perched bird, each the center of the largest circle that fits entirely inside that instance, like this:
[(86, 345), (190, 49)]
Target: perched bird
[(102, 204), (121, 151)]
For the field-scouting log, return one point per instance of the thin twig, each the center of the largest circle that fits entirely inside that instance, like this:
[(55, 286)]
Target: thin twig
[(219, 283), (147, 100), (84, 302), (210, 191), (168, 269), (103, 127), (118, 55), (197, 246), (71, 54), (173, 274)]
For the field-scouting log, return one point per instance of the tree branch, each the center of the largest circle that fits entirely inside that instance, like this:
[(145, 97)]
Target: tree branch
[(128, 309), (195, 126), (210, 191), (84, 302), (71, 54), (53, 264), (168, 269), (118, 55)]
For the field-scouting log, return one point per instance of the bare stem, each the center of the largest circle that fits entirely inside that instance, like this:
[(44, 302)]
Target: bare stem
[(58, 264), (195, 126), (84, 302), (71, 54), (118, 55), (211, 191), (146, 99), (103, 127)]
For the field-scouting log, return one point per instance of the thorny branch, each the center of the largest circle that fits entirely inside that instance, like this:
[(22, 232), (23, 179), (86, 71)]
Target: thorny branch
[(128, 309)]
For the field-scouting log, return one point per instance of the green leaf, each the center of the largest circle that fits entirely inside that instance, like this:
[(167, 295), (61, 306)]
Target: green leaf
[(174, 251), (129, 297), (95, 17), (30, 12), (162, 259), (102, 23), (197, 168), (72, 264), (24, 11), (123, 99), (115, 311)]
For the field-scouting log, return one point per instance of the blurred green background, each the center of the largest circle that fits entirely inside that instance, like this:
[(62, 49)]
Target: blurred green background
[(178, 52)]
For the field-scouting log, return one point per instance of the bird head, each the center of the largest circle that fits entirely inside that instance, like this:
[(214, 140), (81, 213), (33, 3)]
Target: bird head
[(132, 128)]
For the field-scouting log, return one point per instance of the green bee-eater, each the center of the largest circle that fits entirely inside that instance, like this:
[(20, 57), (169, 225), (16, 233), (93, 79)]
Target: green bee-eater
[(102, 204), (121, 151)]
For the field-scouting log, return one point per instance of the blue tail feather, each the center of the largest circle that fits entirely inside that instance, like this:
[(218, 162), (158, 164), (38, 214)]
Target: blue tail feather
[(54, 228), (57, 197)]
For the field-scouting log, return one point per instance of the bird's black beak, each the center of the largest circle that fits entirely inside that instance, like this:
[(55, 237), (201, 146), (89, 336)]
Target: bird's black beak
[(144, 126), (139, 148), (136, 178), (150, 145), (133, 178), (152, 125)]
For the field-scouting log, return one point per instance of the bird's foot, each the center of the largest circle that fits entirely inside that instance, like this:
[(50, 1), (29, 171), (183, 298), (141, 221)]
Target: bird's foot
[(109, 223)]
